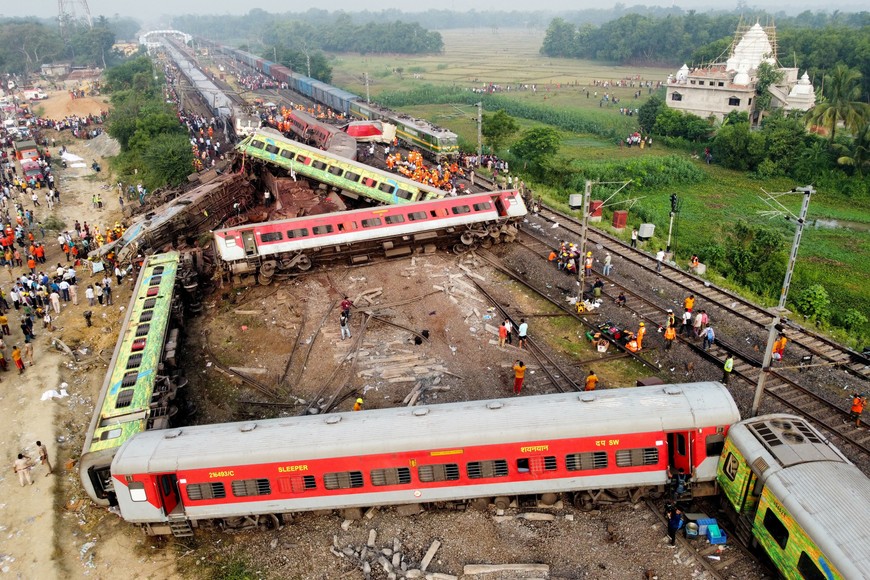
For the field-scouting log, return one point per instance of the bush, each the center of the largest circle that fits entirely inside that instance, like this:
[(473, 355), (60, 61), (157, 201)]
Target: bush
[(814, 303)]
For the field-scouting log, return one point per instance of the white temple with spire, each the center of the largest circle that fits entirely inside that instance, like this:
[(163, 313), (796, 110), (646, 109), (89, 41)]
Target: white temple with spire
[(719, 88)]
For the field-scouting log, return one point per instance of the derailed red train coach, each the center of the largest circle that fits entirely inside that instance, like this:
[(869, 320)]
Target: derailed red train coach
[(599, 446)]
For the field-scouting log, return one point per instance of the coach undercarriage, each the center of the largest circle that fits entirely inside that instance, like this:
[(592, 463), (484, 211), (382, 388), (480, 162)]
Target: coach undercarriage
[(584, 500)]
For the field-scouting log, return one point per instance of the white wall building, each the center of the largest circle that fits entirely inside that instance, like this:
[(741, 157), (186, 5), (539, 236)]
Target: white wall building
[(719, 88)]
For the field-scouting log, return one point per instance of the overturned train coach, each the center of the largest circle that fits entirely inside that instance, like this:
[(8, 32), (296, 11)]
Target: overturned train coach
[(294, 245), (612, 445)]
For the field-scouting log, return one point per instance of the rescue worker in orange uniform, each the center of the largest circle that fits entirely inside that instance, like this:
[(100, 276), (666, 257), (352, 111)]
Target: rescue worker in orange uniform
[(591, 381), (858, 402), (689, 303), (641, 331), (357, 406), (779, 347), (670, 336)]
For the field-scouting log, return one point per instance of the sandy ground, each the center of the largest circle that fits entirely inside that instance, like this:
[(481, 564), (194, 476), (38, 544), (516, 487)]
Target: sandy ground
[(43, 536), (59, 105)]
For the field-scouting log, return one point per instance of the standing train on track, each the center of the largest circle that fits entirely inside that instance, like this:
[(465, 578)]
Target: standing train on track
[(612, 445), (284, 246), (435, 142)]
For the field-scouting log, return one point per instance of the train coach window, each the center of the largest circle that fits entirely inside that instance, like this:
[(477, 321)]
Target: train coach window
[(391, 476), (586, 461), (417, 215), (134, 361), (348, 227), (198, 491), (372, 223), (335, 170), (636, 457), (485, 206), (272, 149), (157, 270), (257, 144), (681, 444), (776, 528), (287, 154), (129, 379), (150, 303), (441, 472), (320, 230), (318, 165), (493, 468), (303, 160), (296, 484), (246, 487), (395, 219), (299, 233), (404, 194), (460, 209), (386, 187), (351, 176), (137, 491), (715, 444), (343, 480), (271, 237), (146, 316), (155, 280), (142, 330), (125, 397), (809, 569)]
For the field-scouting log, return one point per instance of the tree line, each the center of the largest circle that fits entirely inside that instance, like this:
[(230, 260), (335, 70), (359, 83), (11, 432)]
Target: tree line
[(315, 30), (155, 146), (28, 43), (812, 41)]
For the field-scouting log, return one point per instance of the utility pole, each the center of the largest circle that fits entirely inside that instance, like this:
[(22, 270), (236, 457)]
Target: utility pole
[(584, 229), (807, 192), (479, 130), (368, 98)]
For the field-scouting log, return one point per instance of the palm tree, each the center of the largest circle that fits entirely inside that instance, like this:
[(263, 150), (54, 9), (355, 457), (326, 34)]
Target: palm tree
[(858, 154), (842, 94)]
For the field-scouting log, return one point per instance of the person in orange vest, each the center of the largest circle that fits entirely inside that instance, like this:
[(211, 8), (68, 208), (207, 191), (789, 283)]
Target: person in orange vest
[(858, 402), (689, 303), (519, 376), (358, 405), (670, 336), (641, 331), (779, 347), (591, 381), (552, 257)]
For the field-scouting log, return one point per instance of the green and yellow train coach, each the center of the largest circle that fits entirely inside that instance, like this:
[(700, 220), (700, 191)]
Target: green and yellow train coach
[(796, 496), (351, 178)]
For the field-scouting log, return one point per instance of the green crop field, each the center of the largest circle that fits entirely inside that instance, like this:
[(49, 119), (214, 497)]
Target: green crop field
[(835, 257)]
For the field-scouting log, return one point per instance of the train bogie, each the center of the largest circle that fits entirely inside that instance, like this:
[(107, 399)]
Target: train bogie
[(567, 443)]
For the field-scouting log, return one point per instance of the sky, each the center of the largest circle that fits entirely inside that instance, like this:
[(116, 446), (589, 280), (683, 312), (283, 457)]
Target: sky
[(153, 9)]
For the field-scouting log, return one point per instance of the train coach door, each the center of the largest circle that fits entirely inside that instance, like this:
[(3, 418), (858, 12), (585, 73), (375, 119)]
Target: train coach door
[(680, 452), (168, 484), (250, 243)]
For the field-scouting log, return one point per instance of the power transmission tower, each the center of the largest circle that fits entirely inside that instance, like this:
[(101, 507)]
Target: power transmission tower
[(69, 11)]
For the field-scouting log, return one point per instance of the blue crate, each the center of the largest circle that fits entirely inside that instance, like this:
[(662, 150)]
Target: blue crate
[(704, 524), (715, 535)]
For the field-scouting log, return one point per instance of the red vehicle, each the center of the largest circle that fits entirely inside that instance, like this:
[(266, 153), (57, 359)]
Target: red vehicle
[(598, 446)]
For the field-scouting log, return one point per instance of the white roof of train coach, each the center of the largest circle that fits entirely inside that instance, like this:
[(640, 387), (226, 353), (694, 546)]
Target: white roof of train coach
[(601, 413), (822, 490)]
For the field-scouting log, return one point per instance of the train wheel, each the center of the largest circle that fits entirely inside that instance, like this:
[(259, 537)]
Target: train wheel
[(502, 502), (480, 504), (582, 501), (549, 498), (304, 263), (467, 238), (486, 243), (460, 248), (264, 280), (494, 230)]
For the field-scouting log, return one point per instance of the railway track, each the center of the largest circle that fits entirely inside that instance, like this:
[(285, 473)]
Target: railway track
[(786, 388)]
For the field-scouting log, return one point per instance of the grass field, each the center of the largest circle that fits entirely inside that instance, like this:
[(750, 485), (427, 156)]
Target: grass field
[(835, 257)]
